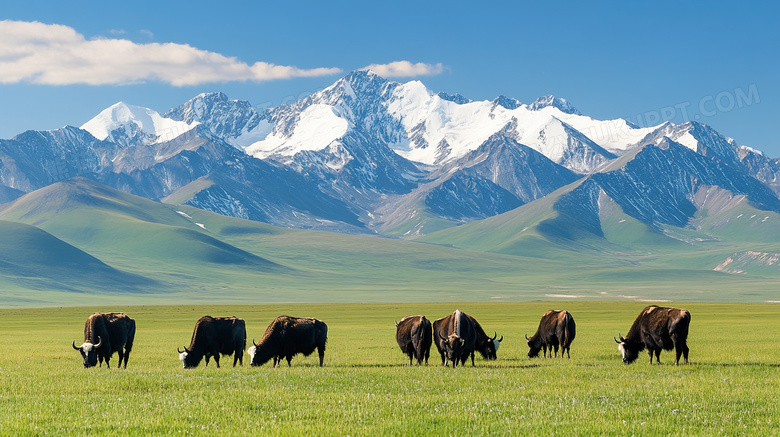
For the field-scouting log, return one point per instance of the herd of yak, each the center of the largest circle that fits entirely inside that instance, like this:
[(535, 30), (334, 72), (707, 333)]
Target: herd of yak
[(457, 337)]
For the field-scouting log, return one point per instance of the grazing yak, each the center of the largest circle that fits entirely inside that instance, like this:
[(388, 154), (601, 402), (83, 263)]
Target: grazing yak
[(455, 338), (214, 336), (414, 335), (104, 334), (486, 346), (287, 336), (654, 329), (556, 328)]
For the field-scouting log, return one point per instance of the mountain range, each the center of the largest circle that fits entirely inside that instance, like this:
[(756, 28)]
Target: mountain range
[(371, 156), (365, 155)]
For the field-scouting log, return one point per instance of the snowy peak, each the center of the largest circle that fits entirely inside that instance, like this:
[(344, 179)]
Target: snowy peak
[(696, 136), (123, 124), (507, 102), (235, 121), (556, 102)]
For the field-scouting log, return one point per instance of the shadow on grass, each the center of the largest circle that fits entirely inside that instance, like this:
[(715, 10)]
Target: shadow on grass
[(492, 367), (767, 365)]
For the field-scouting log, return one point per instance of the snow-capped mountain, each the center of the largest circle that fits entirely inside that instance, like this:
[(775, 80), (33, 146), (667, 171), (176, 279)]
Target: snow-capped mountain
[(235, 121), (371, 155), (126, 124), (437, 128)]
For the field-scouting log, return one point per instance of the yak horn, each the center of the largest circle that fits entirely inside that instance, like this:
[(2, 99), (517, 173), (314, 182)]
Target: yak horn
[(100, 342), (526, 338), (181, 352), (396, 323), (494, 336), (253, 342), (74, 346), (501, 339)]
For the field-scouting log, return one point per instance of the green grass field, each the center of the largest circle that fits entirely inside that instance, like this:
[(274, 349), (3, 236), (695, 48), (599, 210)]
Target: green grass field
[(365, 388)]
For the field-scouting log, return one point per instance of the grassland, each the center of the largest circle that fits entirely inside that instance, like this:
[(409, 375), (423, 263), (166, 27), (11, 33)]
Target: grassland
[(730, 387)]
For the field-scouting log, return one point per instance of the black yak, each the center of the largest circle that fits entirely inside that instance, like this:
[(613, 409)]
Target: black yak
[(214, 336), (287, 336), (104, 334)]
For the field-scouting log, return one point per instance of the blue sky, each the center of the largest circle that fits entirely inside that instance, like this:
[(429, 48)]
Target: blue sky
[(713, 62)]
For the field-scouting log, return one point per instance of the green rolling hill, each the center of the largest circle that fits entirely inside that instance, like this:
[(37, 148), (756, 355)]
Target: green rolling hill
[(80, 243)]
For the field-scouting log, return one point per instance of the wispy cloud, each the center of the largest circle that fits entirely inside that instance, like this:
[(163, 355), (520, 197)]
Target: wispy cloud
[(405, 69), (54, 54)]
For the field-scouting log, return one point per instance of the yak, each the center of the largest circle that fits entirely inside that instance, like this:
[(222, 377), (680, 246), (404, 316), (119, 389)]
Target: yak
[(414, 337), (455, 338), (104, 334), (557, 328), (214, 336), (486, 346), (654, 329), (287, 336)]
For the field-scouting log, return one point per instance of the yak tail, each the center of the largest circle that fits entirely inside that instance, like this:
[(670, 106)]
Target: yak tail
[(130, 337), (566, 334)]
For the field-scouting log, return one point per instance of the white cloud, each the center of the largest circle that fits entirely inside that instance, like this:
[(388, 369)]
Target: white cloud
[(54, 54), (405, 69)]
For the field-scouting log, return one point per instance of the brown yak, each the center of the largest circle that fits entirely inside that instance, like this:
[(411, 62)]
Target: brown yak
[(654, 329), (414, 336), (556, 329)]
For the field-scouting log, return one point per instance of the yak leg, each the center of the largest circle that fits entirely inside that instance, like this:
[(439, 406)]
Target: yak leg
[(680, 349), (121, 357), (650, 352), (216, 359), (289, 359), (658, 356), (321, 353), (556, 350), (108, 366), (568, 352), (235, 359), (472, 359), (427, 354)]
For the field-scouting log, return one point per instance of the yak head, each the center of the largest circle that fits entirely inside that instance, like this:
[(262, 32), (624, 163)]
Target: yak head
[(630, 351), (188, 359), (89, 352), (252, 351), (490, 348), (454, 346), (534, 347), (261, 353)]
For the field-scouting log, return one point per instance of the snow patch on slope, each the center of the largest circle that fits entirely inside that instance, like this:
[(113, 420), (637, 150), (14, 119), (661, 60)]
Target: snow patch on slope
[(319, 126)]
